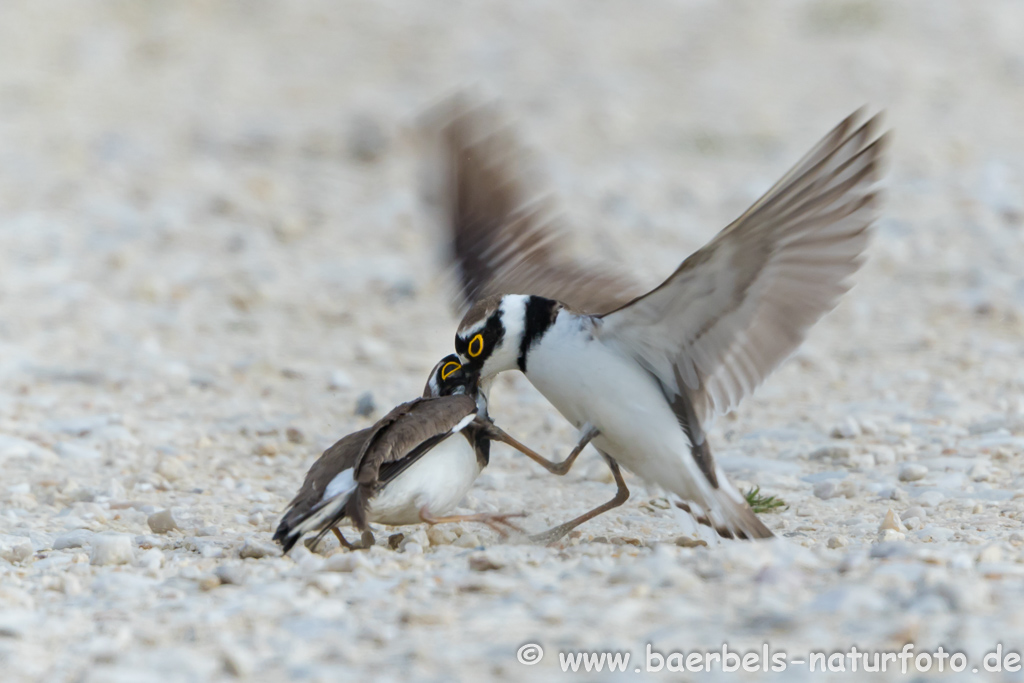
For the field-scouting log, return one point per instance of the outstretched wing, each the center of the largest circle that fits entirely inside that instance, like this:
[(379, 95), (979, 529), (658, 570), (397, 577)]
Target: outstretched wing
[(740, 305), (504, 237)]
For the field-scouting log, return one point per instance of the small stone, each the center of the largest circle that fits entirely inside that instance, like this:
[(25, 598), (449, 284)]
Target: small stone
[(255, 549), (482, 563), (992, 553), (979, 472), (162, 522), (236, 662), (365, 140), (73, 539), (345, 562), (839, 451), (915, 511), (111, 548), (338, 380), (883, 455), (961, 561), (412, 548), (935, 534), (16, 549), (152, 560), (74, 451), (1016, 538), (70, 584), (890, 535), (441, 534), (365, 404), (891, 522), (930, 499), (825, 489), (395, 540), (837, 542), (846, 429), (418, 537), (208, 582), (295, 435), (267, 448), (892, 548), (690, 542), (468, 539), (913, 472), (231, 574), (912, 523), (172, 469)]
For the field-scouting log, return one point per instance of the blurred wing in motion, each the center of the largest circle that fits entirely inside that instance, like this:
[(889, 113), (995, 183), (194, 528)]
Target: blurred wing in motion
[(504, 238), (741, 304)]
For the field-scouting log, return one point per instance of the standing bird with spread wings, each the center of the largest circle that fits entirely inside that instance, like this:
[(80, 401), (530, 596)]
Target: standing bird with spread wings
[(642, 375)]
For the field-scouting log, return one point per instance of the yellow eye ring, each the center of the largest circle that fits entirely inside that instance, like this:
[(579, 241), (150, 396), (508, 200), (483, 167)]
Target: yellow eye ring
[(477, 343), (449, 369)]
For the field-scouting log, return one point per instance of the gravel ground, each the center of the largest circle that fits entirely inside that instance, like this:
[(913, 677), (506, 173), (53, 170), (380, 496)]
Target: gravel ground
[(211, 246)]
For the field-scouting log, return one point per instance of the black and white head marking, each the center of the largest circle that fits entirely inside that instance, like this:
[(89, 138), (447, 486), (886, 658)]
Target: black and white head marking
[(447, 378), (540, 315)]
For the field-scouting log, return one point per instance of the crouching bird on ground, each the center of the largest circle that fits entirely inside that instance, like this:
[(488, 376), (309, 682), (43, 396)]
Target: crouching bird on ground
[(413, 466)]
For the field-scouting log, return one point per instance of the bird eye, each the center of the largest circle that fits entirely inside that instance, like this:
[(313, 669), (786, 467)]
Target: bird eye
[(449, 368), (476, 346)]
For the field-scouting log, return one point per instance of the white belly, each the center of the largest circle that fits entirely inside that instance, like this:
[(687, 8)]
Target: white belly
[(589, 383), (437, 481)]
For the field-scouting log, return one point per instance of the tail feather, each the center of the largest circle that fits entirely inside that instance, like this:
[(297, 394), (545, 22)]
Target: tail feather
[(731, 520), (320, 518), (727, 512)]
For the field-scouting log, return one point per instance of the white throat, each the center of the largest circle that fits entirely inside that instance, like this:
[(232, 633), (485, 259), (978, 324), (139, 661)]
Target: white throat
[(513, 319)]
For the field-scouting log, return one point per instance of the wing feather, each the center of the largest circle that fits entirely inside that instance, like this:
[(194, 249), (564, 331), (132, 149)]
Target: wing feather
[(505, 236), (425, 423), (742, 304)]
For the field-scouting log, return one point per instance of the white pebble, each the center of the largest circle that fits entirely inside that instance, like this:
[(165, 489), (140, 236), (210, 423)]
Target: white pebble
[(344, 561), (846, 429), (468, 539), (825, 490), (992, 553), (15, 549), (255, 549), (883, 455), (441, 534), (151, 559), (935, 534), (338, 380), (913, 472), (74, 451), (172, 469), (979, 472), (73, 539), (111, 548), (915, 511), (419, 537), (838, 542), (162, 522), (891, 522), (890, 535), (930, 499)]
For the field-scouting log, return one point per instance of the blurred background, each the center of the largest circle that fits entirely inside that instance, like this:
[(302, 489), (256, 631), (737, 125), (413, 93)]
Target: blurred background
[(212, 246)]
